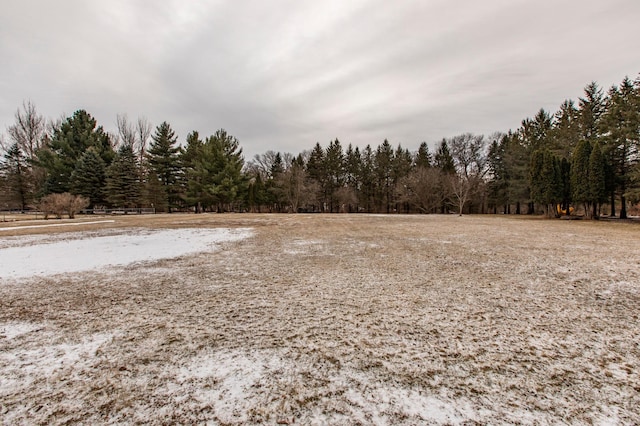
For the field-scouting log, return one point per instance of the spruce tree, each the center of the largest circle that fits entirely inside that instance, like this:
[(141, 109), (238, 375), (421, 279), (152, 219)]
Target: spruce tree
[(423, 156), (443, 159), (190, 178), (89, 177), (17, 184), (333, 166), (580, 175), (383, 161), (69, 142), (123, 185), (597, 188), (164, 165), (537, 178), (316, 175)]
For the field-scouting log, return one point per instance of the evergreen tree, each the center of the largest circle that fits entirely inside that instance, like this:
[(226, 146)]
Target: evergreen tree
[(537, 177), (69, 142), (123, 185), (535, 132), (400, 169), (334, 173), (580, 175), (256, 193), (622, 122), (566, 130), (498, 177), (597, 188), (276, 192), (317, 175), (383, 162), (545, 180), (164, 165), (565, 179), (89, 177), (367, 176), (591, 108), (188, 160), (216, 178), (443, 162), (423, 156), (517, 160), (443, 159), (17, 184), (353, 173)]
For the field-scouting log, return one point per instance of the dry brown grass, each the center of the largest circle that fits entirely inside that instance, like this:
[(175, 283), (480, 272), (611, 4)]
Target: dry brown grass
[(336, 319)]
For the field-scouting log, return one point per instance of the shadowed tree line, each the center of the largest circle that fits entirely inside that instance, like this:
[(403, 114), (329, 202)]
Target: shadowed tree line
[(583, 157)]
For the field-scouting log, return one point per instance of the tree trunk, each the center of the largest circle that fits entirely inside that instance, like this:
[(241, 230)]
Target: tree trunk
[(623, 206), (613, 204)]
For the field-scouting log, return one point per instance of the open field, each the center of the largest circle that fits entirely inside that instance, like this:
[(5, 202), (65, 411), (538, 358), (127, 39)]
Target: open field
[(329, 319)]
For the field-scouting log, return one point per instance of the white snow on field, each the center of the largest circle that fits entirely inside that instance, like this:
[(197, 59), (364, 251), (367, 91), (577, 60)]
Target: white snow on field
[(87, 252), (51, 225), (15, 329)]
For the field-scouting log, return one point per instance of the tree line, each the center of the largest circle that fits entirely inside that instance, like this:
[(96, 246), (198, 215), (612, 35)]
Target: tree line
[(583, 157)]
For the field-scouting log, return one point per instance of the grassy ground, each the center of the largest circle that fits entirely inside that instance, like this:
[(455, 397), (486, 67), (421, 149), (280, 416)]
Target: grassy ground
[(334, 319)]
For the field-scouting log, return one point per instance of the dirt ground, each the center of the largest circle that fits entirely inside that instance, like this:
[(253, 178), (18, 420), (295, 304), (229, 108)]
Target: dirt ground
[(333, 319)]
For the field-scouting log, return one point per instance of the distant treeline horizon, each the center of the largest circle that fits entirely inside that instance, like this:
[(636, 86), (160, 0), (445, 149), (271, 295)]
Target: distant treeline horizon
[(582, 158)]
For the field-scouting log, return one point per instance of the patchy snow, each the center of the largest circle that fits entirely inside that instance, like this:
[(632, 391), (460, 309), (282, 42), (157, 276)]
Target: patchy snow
[(54, 225), (77, 253), (14, 329), (341, 320)]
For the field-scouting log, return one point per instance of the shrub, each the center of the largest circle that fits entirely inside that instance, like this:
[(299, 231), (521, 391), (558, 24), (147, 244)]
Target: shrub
[(58, 204)]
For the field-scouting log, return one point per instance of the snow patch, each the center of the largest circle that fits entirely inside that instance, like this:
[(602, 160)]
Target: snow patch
[(85, 253), (14, 329)]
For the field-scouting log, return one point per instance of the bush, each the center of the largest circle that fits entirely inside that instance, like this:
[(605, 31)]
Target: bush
[(58, 204)]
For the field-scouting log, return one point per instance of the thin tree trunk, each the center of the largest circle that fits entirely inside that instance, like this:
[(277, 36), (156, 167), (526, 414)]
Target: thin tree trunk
[(613, 204)]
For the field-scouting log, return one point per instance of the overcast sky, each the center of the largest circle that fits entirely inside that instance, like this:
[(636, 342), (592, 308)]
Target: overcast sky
[(285, 74)]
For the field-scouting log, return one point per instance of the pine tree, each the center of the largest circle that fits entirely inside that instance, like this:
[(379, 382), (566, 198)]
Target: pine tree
[(537, 177), (333, 166), (622, 123), (443, 162), (597, 188), (69, 142), (229, 183), (367, 176), (580, 175), (317, 175), (188, 160), (163, 157), (498, 178), (423, 156), (517, 161), (443, 159), (123, 185), (565, 133), (216, 178), (383, 161), (89, 177), (17, 184)]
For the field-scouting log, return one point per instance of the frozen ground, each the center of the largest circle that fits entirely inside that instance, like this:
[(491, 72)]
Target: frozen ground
[(317, 319)]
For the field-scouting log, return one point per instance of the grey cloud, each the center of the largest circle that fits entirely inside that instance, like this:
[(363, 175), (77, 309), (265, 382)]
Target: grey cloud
[(284, 74)]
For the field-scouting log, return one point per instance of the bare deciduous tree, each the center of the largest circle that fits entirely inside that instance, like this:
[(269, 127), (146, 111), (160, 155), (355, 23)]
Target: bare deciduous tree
[(423, 189), (126, 130), (143, 132), (29, 130)]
